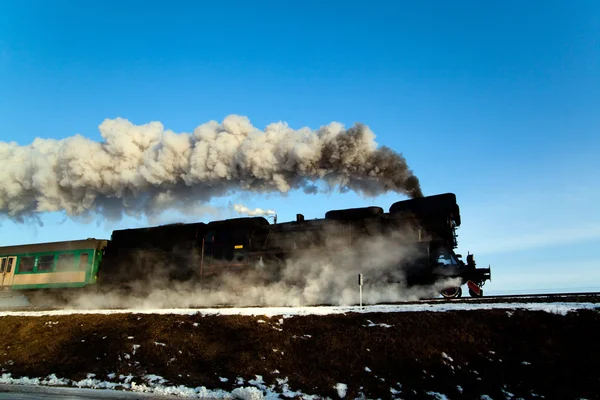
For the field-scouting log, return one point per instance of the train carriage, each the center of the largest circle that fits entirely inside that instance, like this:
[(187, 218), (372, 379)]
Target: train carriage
[(67, 264)]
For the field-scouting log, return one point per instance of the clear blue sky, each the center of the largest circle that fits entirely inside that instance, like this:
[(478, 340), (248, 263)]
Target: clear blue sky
[(498, 103)]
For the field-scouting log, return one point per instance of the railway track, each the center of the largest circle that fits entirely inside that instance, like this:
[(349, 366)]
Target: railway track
[(587, 297)]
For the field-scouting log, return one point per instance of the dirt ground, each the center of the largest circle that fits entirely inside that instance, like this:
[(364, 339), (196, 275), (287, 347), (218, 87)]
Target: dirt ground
[(462, 354)]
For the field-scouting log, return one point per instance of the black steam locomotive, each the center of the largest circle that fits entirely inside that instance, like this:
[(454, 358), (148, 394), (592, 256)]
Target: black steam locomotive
[(425, 227)]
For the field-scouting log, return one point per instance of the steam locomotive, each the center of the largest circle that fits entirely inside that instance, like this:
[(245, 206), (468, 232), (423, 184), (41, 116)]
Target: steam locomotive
[(423, 228)]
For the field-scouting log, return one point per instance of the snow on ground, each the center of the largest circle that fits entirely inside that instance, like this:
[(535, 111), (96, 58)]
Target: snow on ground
[(555, 308), (342, 389), (153, 384), (438, 396)]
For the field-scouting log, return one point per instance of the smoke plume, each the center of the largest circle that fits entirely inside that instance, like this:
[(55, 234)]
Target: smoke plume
[(242, 209), (144, 169), (325, 274)]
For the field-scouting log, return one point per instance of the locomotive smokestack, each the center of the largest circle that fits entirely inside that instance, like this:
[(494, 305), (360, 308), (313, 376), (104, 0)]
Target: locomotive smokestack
[(145, 169)]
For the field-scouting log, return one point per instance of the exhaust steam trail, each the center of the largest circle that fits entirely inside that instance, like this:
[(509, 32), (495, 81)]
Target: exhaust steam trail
[(145, 169), (242, 209)]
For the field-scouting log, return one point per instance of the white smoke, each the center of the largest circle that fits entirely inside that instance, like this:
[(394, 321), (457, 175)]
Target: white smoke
[(326, 274), (145, 169), (242, 209)]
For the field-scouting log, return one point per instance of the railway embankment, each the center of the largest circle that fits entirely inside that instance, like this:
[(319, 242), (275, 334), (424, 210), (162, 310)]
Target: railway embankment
[(501, 353)]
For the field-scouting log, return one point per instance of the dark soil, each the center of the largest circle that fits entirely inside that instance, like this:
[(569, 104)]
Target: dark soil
[(494, 352)]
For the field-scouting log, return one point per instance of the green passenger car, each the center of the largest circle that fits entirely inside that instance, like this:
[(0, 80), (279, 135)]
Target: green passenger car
[(70, 264)]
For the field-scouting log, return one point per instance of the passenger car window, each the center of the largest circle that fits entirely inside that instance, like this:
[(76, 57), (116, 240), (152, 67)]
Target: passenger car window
[(66, 262), (83, 261), (26, 264), (46, 263)]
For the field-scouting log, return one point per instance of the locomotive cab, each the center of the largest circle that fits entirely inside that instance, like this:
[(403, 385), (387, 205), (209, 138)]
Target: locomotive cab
[(229, 245)]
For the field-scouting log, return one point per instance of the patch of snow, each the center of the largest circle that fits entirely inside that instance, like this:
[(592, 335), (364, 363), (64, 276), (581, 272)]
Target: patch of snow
[(154, 385), (95, 384), (160, 344), (437, 395), (258, 381), (53, 380), (367, 369), (287, 392), (526, 363), (561, 308), (135, 347), (260, 321), (223, 379), (247, 393), (485, 397), (155, 378), (342, 389), (129, 337), (447, 357), (459, 388), (371, 324), (507, 394)]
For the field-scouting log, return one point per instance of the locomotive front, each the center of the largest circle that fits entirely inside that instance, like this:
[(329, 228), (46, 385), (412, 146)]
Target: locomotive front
[(438, 217)]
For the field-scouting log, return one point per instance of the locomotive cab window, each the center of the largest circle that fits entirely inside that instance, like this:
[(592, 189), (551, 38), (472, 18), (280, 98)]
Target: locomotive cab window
[(46, 263), (443, 256), (26, 264), (9, 265), (3, 265)]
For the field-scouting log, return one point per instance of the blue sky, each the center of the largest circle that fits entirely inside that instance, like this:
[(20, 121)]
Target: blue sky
[(497, 103)]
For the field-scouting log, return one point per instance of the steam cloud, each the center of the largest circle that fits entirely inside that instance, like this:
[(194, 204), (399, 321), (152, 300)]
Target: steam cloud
[(145, 169), (241, 209), (325, 274)]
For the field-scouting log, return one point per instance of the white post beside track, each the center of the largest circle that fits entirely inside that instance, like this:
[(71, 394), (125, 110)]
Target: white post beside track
[(360, 283)]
